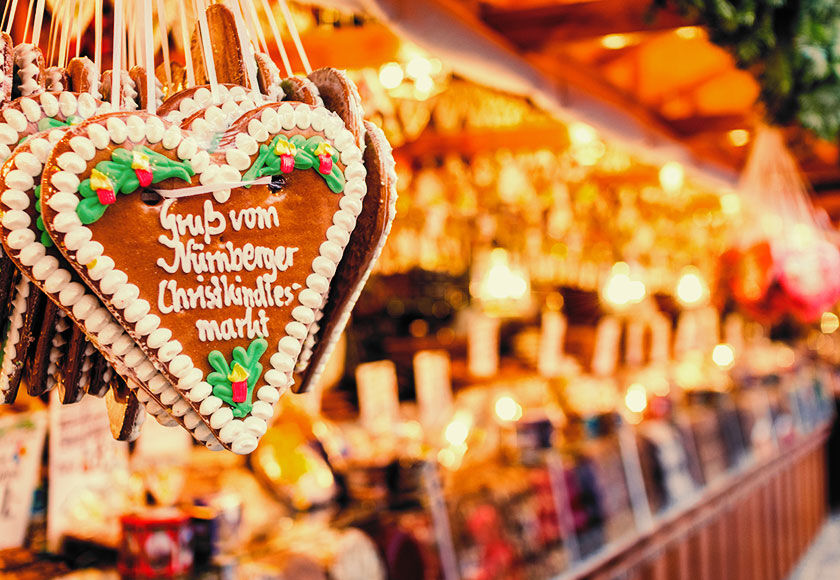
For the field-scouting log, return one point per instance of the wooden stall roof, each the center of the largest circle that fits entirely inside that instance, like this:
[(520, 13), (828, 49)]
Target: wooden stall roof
[(657, 66)]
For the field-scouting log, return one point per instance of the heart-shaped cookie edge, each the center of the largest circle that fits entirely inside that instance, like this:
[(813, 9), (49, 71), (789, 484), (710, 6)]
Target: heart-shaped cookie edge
[(241, 435)]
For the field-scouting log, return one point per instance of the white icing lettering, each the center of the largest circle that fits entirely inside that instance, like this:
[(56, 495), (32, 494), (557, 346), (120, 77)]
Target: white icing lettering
[(231, 328)]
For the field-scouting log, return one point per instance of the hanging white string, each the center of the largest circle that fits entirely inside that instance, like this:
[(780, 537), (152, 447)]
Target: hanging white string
[(209, 64), (28, 17), (11, 19), (52, 37), (97, 51), (210, 188), (256, 26), (185, 40), (149, 44), (287, 66), (116, 66), (290, 24), (39, 21), (6, 7), (245, 45), (163, 28), (78, 27), (130, 36), (65, 32)]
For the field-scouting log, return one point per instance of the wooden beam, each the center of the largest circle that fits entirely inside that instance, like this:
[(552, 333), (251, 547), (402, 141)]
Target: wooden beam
[(531, 28), (468, 143), (352, 48), (702, 125)]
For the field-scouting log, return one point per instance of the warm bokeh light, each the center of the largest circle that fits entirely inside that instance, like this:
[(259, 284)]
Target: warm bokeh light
[(507, 409), (418, 67), (723, 355), (829, 322), (730, 204), (615, 41), (621, 290), (785, 357), (636, 398), (391, 75), (423, 86), (458, 430), (581, 134), (672, 176), (688, 32), (691, 288), (738, 137), (501, 282)]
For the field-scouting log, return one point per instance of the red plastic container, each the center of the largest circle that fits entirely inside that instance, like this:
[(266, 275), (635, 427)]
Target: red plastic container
[(155, 544)]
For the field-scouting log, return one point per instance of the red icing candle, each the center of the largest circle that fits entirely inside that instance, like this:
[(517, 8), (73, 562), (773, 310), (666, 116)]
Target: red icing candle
[(106, 196), (325, 166), (287, 163), (240, 391), (144, 176)]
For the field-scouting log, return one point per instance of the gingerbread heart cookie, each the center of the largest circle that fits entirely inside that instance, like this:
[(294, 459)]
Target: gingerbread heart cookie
[(215, 265), (7, 67), (29, 70), (365, 245), (28, 244)]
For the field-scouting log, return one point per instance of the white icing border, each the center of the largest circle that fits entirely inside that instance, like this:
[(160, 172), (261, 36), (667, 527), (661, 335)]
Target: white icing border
[(332, 339), (240, 435), (56, 281), (200, 98), (13, 335)]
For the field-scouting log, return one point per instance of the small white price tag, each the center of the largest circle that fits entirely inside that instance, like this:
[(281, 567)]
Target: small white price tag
[(552, 335), (733, 332), (21, 444), (483, 345), (709, 328), (84, 464), (634, 343), (660, 338), (687, 335), (433, 385), (607, 337), (376, 383)]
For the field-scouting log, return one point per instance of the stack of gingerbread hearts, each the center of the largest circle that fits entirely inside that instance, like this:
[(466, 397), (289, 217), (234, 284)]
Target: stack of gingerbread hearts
[(204, 253)]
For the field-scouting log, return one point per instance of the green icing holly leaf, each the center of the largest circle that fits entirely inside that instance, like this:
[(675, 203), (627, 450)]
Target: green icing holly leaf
[(249, 360), (268, 162), (123, 176), (46, 240)]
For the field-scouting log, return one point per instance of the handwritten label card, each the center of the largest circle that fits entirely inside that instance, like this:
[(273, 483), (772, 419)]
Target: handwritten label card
[(433, 385), (733, 332), (634, 343), (660, 338), (84, 464), (21, 445), (483, 345), (379, 405), (552, 335), (607, 337)]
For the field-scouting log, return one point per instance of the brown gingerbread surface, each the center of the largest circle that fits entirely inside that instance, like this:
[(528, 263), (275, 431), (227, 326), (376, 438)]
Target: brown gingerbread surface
[(301, 210)]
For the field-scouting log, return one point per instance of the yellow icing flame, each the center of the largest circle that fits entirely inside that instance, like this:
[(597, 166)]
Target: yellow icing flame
[(284, 148), (99, 180), (91, 265), (139, 160), (238, 374), (324, 148)]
